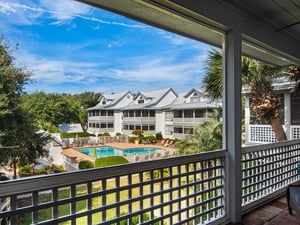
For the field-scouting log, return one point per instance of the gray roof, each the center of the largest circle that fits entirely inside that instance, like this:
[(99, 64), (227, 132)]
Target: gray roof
[(155, 97), (115, 97), (195, 105), (70, 128)]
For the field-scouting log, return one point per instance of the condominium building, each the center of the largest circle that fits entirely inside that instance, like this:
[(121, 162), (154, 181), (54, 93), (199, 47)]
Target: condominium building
[(165, 111)]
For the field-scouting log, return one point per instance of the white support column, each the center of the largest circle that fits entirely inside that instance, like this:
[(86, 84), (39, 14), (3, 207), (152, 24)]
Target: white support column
[(287, 115), (247, 120), (232, 114)]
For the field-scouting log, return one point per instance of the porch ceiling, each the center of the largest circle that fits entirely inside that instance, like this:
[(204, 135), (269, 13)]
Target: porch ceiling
[(270, 28)]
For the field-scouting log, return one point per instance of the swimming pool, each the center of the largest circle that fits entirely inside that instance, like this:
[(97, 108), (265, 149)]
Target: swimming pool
[(111, 151)]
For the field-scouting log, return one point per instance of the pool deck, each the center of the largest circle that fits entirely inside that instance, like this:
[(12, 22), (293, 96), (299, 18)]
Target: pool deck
[(72, 153)]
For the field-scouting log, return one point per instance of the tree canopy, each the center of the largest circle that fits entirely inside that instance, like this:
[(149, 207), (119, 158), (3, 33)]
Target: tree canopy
[(52, 109), (19, 138)]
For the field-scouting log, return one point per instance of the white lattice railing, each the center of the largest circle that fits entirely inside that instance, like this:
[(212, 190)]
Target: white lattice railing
[(261, 134), (265, 133), (295, 132), (268, 169), (178, 190)]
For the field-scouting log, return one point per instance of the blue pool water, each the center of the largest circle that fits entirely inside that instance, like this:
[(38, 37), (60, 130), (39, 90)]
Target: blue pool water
[(110, 151)]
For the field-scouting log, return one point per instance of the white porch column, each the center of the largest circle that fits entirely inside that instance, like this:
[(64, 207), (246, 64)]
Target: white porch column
[(232, 114), (287, 115), (247, 120)]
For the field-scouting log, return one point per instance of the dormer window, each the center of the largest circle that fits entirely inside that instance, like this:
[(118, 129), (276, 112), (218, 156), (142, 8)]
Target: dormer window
[(103, 102), (141, 100), (195, 97)]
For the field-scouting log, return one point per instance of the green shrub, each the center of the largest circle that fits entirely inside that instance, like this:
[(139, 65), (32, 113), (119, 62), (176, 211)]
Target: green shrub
[(150, 138), (158, 136), (138, 132), (104, 135), (118, 134), (132, 139), (26, 170), (86, 164), (110, 161)]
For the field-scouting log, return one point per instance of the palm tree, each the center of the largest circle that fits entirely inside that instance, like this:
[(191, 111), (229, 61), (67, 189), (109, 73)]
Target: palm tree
[(265, 102), (259, 77)]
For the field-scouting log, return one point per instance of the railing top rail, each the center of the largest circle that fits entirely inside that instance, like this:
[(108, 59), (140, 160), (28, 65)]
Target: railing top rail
[(46, 182), (269, 146)]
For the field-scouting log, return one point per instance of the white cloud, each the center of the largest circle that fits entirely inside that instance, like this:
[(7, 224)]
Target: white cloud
[(61, 11), (18, 13), (93, 74), (111, 22), (114, 44), (7, 8)]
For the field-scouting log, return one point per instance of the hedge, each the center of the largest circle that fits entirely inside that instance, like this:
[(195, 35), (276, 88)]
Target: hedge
[(86, 164), (110, 161)]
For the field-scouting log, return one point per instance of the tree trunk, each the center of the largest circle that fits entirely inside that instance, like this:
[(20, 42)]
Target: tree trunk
[(278, 129), (15, 168)]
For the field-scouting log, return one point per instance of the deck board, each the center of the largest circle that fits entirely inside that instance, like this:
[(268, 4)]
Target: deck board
[(274, 213)]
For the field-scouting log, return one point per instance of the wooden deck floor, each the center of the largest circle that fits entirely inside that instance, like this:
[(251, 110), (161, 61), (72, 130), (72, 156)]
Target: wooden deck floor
[(275, 213)]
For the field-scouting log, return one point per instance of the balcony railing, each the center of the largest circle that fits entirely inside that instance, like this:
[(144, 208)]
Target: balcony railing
[(101, 118), (295, 132), (139, 119), (265, 134), (267, 170), (261, 134), (178, 190), (181, 190), (189, 120)]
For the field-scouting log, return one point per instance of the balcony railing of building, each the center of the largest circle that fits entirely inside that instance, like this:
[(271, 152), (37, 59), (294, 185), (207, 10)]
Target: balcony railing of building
[(101, 118), (189, 120), (265, 134), (139, 119), (178, 190), (267, 170), (295, 132), (101, 129)]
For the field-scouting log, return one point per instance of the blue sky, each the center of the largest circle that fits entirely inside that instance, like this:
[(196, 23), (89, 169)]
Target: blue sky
[(71, 47)]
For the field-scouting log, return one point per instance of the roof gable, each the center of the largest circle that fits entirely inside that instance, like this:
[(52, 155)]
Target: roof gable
[(112, 100)]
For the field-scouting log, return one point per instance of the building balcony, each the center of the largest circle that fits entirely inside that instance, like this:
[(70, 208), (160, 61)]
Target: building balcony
[(194, 121), (139, 119), (101, 118), (189, 189)]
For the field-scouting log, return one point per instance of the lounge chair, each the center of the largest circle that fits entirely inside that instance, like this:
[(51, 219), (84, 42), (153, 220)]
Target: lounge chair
[(166, 143), (163, 142), (146, 142), (169, 144), (137, 158)]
